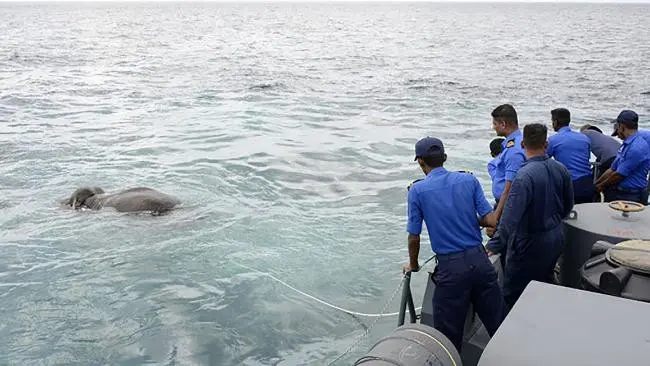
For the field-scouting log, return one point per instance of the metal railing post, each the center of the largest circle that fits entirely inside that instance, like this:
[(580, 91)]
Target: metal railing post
[(402, 303), (409, 299)]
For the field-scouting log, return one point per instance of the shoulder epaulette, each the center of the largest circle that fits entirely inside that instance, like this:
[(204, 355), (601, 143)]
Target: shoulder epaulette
[(412, 183)]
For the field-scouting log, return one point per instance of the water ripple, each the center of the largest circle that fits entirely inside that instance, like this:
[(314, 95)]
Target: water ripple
[(287, 131)]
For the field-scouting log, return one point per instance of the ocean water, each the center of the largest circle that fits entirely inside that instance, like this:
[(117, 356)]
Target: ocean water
[(287, 130)]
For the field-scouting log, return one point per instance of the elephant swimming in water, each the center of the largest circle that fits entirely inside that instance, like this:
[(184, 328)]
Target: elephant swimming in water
[(130, 200)]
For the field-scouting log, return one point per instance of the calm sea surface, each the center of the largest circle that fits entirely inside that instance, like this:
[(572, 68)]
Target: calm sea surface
[(287, 130)]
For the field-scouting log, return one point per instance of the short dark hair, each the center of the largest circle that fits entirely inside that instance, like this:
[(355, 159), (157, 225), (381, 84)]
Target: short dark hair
[(562, 116), (535, 135), (505, 113), (434, 161), (590, 127), (496, 146)]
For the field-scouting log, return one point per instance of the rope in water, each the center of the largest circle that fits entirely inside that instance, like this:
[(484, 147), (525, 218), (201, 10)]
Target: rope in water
[(358, 340), (330, 305), (362, 336)]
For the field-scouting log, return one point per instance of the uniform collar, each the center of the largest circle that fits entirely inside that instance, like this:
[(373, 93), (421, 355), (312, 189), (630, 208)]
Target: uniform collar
[(535, 158), (538, 158), (564, 129), (631, 138), (512, 136), (437, 172)]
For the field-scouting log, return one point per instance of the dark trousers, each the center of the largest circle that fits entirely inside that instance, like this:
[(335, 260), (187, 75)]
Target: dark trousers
[(584, 190), (462, 278), (616, 194), (531, 258)]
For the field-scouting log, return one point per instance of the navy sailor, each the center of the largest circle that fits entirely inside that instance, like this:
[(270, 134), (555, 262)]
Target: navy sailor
[(453, 206)]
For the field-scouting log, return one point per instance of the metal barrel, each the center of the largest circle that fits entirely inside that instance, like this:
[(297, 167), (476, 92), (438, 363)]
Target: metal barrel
[(589, 223), (410, 345)]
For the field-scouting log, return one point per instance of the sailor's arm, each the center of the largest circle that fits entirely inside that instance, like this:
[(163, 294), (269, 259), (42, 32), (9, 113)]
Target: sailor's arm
[(513, 163), (414, 251), (518, 200), (504, 197), (568, 198), (487, 217), (414, 228), (610, 177), (628, 163), (603, 176)]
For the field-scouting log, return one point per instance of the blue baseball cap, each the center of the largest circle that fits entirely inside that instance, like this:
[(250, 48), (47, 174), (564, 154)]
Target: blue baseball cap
[(429, 146), (626, 117)]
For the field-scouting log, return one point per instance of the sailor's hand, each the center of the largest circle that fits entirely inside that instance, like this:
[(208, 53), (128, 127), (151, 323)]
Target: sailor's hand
[(489, 252), (490, 231), (407, 268)]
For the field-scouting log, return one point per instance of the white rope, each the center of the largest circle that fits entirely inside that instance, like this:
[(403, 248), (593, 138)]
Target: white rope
[(367, 331), (369, 315), (361, 337)]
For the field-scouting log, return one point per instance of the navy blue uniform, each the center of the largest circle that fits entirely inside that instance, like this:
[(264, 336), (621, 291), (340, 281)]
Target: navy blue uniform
[(632, 162), (449, 202), (541, 196), (573, 150), (646, 136)]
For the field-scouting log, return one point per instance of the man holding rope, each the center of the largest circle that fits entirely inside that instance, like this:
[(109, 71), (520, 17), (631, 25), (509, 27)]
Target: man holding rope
[(449, 203), (627, 178)]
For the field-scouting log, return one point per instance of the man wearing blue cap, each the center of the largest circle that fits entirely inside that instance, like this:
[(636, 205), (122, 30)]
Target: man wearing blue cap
[(627, 178), (573, 150), (630, 115), (453, 206)]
